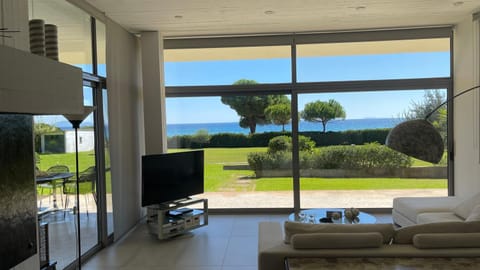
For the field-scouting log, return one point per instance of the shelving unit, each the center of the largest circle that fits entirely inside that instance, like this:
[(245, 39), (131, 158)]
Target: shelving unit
[(167, 220)]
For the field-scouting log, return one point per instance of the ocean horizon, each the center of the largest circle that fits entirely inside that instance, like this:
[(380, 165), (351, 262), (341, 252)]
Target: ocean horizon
[(234, 127)]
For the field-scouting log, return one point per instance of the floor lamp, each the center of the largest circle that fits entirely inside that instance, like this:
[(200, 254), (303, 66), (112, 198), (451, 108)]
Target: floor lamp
[(76, 120), (419, 138)]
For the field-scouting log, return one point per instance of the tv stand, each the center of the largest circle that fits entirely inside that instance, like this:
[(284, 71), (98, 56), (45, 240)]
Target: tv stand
[(174, 218)]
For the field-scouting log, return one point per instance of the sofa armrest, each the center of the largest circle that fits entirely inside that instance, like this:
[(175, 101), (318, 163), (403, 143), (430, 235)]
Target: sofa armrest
[(270, 234), (270, 242)]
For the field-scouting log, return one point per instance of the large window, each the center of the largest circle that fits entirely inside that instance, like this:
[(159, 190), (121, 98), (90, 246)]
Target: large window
[(345, 91)]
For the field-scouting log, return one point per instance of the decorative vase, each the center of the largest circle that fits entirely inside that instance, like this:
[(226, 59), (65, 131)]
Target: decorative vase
[(51, 41), (37, 36)]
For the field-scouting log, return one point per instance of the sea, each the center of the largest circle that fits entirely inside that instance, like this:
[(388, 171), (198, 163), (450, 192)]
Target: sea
[(234, 127)]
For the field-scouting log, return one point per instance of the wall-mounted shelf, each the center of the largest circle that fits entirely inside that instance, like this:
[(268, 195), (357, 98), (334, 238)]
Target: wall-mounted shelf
[(34, 84)]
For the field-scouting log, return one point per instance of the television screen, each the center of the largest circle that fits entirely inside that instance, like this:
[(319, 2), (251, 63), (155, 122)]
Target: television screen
[(172, 176)]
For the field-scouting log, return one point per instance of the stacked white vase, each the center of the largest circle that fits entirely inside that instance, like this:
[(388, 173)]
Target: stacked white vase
[(51, 41), (37, 36)]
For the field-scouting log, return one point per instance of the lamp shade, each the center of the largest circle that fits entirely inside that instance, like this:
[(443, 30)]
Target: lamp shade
[(418, 139), (77, 119)]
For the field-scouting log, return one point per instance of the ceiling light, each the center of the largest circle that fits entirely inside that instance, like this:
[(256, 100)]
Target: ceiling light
[(268, 12), (178, 17)]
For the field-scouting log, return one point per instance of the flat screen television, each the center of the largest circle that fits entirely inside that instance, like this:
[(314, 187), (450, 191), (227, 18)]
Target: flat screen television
[(172, 176)]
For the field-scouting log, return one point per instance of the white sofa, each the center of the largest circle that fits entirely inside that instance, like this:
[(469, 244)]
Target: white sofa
[(419, 210), (298, 240)]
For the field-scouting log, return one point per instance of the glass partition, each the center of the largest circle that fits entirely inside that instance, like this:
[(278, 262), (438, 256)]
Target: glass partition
[(240, 165), (351, 166), (55, 147), (74, 30)]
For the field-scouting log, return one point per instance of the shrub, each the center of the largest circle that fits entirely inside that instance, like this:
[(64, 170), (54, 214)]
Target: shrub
[(229, 140), (279, 144), (284, 143), (259, 162), (360, 157), (262, 139), (366, 156), (200, 139), (305, 144)]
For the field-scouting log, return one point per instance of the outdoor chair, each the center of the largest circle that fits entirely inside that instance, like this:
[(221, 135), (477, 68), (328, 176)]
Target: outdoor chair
[(52, 186), (86, 180)]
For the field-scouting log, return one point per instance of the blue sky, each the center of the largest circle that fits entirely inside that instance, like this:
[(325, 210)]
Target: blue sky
[(384, 104)]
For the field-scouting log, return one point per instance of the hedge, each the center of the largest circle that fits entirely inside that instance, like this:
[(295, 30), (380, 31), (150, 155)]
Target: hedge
[(332, 157), (357, 137)]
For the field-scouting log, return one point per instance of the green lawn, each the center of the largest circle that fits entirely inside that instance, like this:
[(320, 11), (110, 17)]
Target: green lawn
[(265, 184), (85, 160), (217, 179)]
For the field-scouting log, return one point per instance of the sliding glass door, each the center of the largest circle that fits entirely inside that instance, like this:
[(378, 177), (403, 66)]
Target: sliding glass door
[(351, 166)]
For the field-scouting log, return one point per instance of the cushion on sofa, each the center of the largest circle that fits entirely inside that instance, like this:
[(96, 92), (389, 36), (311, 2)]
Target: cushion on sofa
[(291, 228), (405, 235), (423, 218), (475, 214), (337, 240), (410, 207), (464, 208), (447, 240)]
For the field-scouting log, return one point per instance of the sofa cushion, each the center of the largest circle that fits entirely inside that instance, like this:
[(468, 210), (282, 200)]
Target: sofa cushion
[(447, 240), (475, 214), (465, 207), (410, 207), (405, 235), (292, 228), (337, 240), (423, 218)]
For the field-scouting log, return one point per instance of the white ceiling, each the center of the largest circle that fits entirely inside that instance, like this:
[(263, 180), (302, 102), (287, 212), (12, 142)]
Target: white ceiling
[(227, 17)]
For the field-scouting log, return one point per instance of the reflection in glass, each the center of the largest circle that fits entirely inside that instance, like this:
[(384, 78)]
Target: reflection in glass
[(74, 30)]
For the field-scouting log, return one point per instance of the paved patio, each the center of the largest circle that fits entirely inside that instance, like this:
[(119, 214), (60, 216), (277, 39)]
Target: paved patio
[(315, 199)]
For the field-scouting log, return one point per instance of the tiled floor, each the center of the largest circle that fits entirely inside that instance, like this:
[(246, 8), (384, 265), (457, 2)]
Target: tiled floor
[(229, 242)]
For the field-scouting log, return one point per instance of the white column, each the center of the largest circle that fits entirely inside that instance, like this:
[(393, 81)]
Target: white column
[(153, 93)]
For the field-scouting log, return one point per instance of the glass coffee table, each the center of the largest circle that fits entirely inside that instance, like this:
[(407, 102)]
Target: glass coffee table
[(316, 214)]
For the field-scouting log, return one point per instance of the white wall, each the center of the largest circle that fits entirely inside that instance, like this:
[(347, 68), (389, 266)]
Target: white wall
[(125, 126), (466, 108), (86, 141)]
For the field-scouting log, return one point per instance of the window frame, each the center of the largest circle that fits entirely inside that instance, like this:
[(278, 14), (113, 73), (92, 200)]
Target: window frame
[(295, 88)]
